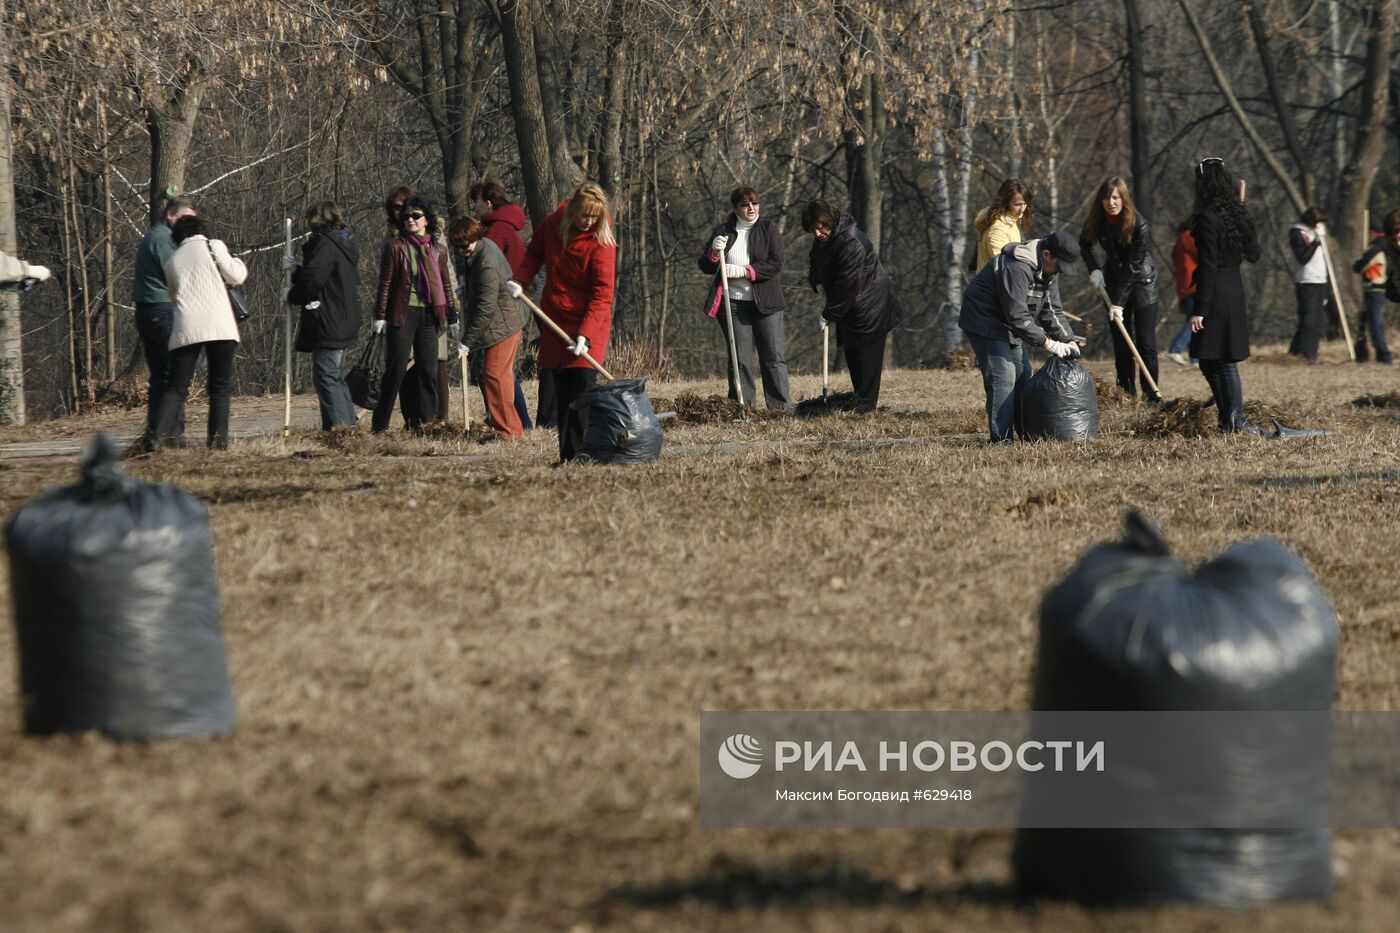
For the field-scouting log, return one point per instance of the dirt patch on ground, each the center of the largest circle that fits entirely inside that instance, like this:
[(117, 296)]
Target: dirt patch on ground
[(710, 409), (1189, 417), (468, 690), (1388, 400), (1110, 393)]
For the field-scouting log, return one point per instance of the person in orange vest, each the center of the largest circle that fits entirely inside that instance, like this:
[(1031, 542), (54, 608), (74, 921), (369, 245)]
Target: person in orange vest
[(1184, 269), (1372, 267)]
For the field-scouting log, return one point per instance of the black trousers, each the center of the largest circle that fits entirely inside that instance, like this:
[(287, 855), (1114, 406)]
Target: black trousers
[(1311, 298), (220, 354), (866, 362), (546, 406), (1223, 377), (570, 384), (418, 336), (1141, 323)]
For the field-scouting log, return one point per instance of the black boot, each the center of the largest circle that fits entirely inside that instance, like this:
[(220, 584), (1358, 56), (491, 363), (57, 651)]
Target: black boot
[(1363, 353)]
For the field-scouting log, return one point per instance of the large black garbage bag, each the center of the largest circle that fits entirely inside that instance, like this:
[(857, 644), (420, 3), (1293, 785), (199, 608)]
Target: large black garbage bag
[(1059, 402), (1134, 628), (117, 609), (619, 425), (366, 375)]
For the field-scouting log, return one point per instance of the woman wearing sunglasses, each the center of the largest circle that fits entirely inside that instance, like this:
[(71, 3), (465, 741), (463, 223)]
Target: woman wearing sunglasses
[(415, 304), (750, 249), (576, 248), (1225, 237)]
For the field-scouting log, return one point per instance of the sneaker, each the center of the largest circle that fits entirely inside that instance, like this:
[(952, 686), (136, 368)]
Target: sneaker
[(1178, 358)]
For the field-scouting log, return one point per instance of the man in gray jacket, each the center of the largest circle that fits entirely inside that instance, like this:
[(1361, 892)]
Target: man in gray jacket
[(1011, 305), (155, 314)]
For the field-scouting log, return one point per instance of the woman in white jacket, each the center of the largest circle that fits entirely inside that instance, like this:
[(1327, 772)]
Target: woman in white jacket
[(198, 275)]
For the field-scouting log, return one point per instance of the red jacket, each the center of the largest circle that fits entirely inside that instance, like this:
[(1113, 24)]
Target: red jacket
[(503, 226), (578, 293), (1184, 263)]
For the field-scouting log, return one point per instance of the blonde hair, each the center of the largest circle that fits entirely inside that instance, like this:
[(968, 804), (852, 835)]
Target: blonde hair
[(588, 194)]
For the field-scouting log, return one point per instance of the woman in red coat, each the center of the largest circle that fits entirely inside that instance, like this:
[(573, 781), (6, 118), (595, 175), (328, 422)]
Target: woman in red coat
[(576, 248)]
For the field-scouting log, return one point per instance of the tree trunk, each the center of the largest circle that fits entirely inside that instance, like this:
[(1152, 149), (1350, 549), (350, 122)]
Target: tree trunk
[(1013, 165), (550, 60), (610, 152), (170, 123), (1368, 143), (11, 344), (865, 148), (1286, 123), (1227, 91), (531, 135), (1137, 109), (943, 217)]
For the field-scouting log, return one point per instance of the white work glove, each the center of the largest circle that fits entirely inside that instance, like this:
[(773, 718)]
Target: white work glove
[(312, 306), (289, 263), (717, 245), (580, 346), (455, 332), (1320, 230), (1062, 350), (1115, 314), (733, 271), (514, 289), (377, 327), (1096, 278), (41, 273)]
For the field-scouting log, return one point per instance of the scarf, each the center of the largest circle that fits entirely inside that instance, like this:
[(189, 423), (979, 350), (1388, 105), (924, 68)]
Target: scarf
[(429, 283)]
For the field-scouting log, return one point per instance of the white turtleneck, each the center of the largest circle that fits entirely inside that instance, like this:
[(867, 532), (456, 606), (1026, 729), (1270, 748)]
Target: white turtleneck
[(738, 254)]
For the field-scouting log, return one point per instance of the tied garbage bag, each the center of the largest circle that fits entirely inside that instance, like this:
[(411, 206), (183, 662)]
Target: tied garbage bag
[(619, 425), (1133, 627), (1059, 403), (117, 609)]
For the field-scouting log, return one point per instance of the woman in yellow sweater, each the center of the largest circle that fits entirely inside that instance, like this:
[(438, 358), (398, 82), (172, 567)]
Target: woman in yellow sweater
[(1002, 222)]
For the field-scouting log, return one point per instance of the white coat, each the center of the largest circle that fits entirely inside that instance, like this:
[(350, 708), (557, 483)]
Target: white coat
[(198, 283)]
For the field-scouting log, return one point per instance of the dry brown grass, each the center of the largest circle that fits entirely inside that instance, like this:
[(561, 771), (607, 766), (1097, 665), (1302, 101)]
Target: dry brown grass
[(469, 685)]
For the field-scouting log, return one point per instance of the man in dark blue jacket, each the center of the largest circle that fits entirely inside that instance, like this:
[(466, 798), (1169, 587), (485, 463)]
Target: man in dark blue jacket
[(1013, 304)]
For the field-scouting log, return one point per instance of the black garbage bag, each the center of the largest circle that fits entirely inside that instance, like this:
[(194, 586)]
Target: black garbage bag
[(117, 609), (366, 375), (1134, 628), (1059, 403), (619, 425)]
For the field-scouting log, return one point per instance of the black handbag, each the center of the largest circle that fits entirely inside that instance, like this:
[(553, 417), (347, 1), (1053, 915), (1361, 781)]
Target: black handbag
[(242, 310), (366, 375)]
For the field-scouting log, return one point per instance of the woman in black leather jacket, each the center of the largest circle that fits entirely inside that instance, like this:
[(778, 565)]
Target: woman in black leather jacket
[(1128, 274)]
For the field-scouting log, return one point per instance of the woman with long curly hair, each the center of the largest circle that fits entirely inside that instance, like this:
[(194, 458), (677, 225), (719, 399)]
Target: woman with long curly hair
[(1004, 221), (1128, 275), (1225, 237)]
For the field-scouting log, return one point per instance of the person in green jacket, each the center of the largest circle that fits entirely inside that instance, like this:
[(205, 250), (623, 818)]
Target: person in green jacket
[(155, 314)]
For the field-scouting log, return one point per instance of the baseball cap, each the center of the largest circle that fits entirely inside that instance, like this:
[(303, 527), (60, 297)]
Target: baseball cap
[(1065, 248)]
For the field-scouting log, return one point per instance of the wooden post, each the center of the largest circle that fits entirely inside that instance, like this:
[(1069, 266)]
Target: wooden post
[(287, 283)]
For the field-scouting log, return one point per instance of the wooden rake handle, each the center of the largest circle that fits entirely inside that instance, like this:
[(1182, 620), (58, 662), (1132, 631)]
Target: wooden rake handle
[(1123, 331), (559, 332)]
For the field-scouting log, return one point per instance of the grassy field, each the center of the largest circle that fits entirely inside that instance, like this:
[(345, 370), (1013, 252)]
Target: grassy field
[(469, 684)]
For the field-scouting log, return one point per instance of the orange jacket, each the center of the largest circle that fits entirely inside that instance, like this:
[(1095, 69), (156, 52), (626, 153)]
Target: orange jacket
[(1184, 263)]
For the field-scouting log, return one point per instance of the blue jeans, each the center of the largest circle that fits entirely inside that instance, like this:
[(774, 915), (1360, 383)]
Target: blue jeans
[(1373, 321), (522, 408), (1182, 340), (1005, 370), (337, 409), (154, 322)]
